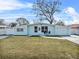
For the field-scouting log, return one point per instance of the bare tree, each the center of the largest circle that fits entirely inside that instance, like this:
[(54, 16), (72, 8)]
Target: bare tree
[(12, 24), (46, 9), (61, 23), (22, 21)]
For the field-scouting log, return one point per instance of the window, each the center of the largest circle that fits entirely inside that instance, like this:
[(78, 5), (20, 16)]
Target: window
[(35, 29), (44, 29), (19, 29)]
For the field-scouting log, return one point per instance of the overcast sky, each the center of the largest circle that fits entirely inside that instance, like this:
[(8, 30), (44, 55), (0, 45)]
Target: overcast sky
[(12, 9)]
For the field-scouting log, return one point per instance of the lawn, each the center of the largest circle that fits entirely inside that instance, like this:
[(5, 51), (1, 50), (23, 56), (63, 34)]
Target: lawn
[(22, 47)]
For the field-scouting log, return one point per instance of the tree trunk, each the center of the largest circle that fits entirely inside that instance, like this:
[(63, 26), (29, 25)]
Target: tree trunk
[(51, 22)]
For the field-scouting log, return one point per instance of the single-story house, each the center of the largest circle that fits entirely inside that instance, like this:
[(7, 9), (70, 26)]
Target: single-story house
[(40, 29), (36, 29), (47, 29)]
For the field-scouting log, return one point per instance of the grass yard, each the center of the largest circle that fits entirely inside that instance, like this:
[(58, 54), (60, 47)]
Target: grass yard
[(22, 47)]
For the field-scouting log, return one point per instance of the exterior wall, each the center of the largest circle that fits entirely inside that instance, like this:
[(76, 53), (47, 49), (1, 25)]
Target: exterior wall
[(62, 30), (24, 32), (13, 31), (51, 29), (54, 30), (31, 30), (10, 31)]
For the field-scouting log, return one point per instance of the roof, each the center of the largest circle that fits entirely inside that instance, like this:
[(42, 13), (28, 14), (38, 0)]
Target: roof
[(74, 26), (3, 25), (40, 24), (45, 24)]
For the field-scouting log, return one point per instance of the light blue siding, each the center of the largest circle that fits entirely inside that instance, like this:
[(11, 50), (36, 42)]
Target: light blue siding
[(54, 30), (13, 31), (29, 30), (62, 30)]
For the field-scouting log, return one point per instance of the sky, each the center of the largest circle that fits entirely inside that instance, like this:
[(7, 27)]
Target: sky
[(12, 9)]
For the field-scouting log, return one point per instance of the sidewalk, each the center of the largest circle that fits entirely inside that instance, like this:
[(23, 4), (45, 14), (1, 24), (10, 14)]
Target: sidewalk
[(72, 38), (2, 37)]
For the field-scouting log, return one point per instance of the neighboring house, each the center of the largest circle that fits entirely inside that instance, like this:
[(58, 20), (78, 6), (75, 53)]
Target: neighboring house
[(75, 29), (3, 29)]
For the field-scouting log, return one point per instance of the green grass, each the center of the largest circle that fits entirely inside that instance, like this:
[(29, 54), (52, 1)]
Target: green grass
[(22, 47)]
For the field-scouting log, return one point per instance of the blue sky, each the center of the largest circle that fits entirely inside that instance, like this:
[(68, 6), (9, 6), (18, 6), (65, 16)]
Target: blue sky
[(12, 9)]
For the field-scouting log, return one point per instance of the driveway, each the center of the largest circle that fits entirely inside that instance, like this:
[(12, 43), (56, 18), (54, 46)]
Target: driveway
[(72, 38), (2, 37)]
